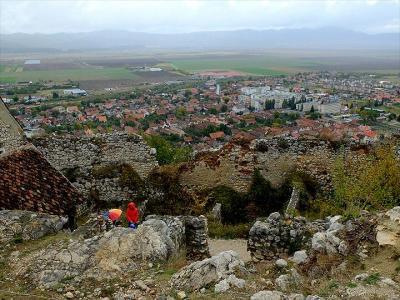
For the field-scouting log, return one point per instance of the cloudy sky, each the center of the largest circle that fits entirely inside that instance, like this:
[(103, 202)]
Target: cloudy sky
[(371, 16)]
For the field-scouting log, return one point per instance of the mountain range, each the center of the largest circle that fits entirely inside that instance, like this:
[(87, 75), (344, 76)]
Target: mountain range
[(324, 38)]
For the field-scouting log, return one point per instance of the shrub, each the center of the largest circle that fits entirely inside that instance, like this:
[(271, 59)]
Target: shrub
[(232, 202), (106, 171), (263, 199), (283, 144), (167, 153), (165, 193), (373, 278), (372, 185), (260, 200), (130, 178)]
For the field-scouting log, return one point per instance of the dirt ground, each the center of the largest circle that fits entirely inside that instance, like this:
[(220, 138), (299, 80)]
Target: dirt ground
[(238, 245)]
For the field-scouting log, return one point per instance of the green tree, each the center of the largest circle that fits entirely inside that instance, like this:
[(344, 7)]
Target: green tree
[(167, 153), (180, 112), (213, 111)]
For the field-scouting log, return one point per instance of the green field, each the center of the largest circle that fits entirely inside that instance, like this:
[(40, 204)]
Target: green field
[(258, 65), (13, 74)]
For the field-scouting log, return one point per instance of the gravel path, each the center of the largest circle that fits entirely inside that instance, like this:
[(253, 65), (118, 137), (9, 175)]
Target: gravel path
[(237, 245)]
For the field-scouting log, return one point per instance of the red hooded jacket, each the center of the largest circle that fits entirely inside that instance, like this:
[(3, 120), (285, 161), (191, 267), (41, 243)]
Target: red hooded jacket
[(132, 213)]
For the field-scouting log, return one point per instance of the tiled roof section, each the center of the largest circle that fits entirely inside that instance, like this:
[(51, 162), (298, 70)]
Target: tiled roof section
[(29, 182)]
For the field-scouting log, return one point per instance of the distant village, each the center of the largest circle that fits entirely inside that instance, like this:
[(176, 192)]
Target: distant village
[(212, 109)]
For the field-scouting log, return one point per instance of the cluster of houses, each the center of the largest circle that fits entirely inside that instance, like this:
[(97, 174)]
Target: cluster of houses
[(213, 111)]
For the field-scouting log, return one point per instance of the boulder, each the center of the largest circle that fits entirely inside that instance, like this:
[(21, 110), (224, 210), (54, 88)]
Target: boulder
[(299, 257), (25, 225), (287, 281), (281, 263), (318, 242), (276, 295), (208, 271)]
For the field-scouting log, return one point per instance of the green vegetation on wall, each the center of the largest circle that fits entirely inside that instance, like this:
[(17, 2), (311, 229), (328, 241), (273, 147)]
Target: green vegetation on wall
[(371, 185), (167, 153)]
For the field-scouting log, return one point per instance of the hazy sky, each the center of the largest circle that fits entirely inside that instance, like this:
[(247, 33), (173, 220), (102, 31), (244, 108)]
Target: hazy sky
[(372, 16)]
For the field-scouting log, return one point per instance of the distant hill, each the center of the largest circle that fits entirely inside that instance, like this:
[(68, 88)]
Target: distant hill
[(325, 38)]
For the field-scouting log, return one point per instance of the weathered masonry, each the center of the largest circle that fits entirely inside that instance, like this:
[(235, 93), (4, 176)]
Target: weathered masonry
[(94, 163)]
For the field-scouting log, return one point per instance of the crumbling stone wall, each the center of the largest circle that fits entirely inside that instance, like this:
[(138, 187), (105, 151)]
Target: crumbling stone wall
[(231, 166), (234, 164), (191, 231), (280, 156), (79, 157), (277, 236)]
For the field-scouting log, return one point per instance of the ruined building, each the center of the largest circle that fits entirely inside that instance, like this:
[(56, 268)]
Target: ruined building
[(27, 180)]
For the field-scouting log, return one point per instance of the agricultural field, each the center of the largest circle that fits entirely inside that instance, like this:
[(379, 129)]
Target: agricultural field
[(115, 69), (254, 65), (7, 75), (282, 64)]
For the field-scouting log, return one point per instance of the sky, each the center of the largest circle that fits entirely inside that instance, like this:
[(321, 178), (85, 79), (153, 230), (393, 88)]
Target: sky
[(40, 16)]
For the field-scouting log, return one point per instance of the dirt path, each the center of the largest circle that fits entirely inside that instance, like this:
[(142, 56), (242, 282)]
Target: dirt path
[(237, 245)]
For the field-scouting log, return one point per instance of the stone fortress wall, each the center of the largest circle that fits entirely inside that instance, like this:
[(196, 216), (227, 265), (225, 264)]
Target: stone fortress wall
[(234, 164), (79, 157)]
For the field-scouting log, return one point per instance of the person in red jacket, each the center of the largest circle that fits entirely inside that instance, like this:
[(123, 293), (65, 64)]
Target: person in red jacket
[(132, 215)]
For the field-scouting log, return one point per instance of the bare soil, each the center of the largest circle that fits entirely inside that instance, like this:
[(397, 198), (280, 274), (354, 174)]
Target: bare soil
[(238, 245)]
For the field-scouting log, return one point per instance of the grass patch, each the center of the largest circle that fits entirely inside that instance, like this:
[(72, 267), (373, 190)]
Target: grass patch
[(17, 239), (173, 265), (352, 285), (228, 231), (372, 279)]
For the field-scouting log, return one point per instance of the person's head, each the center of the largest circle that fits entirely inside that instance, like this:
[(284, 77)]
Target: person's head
[(131, 205)]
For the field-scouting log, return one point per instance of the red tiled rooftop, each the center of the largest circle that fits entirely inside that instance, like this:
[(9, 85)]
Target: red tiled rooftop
[(29, 182)]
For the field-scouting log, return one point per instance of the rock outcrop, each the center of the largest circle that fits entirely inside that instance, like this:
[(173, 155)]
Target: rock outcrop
[(120, 249), (22, 225), (388, 229), (208, 271)]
